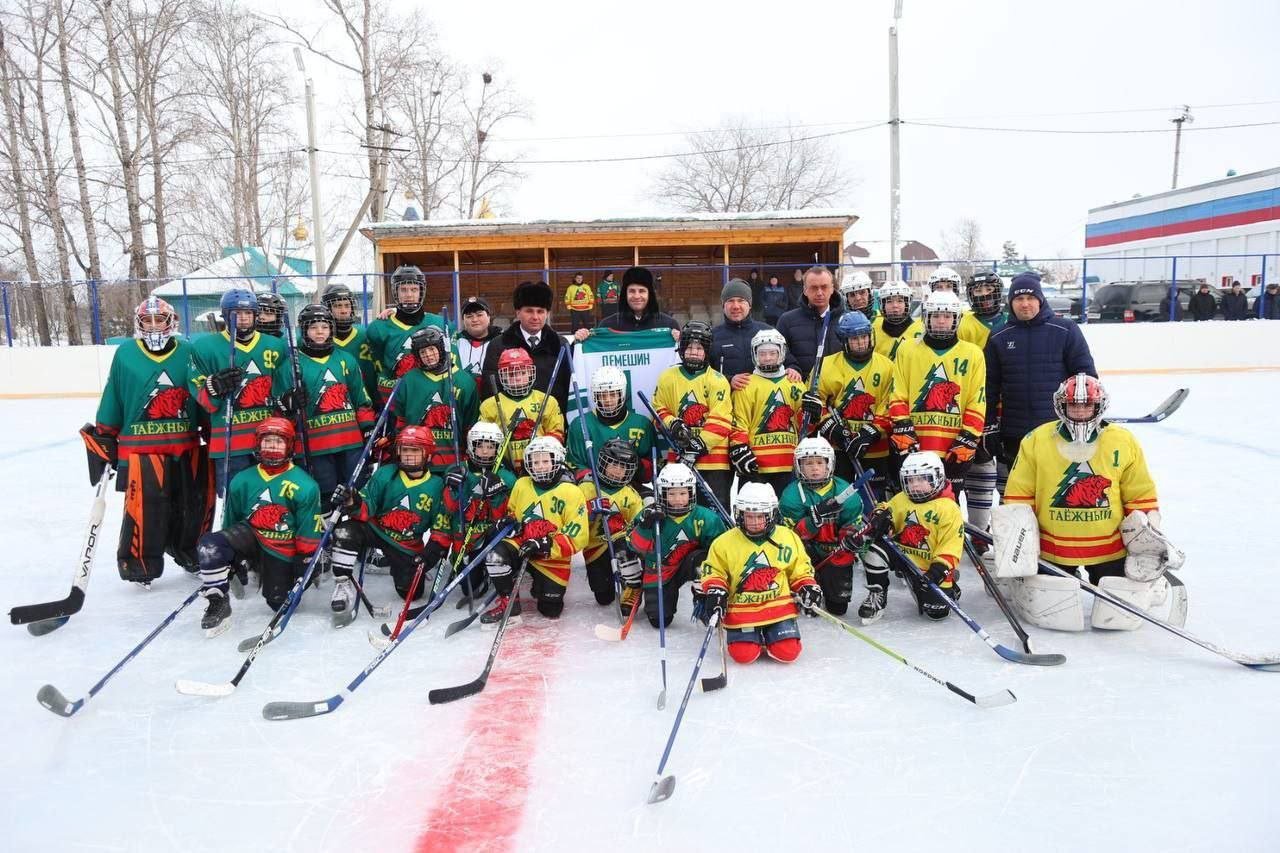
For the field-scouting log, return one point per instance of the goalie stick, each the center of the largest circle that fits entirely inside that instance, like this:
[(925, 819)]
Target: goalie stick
[(1159, 413)]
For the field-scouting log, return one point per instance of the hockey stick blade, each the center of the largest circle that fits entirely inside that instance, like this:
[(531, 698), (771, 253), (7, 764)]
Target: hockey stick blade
[(299, 710), (52, 698), (49, 610), (608, 633), (188, 687), (715, 682), (46, 626), (991, 700), (442, 695), (247, 644), (663, 788), (1159, 413), (1032, 659), (662, 699), (465, 622)]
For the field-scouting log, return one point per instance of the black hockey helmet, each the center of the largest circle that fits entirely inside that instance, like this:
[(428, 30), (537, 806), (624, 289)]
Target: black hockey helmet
[(308, 317), (988, 303), (428, 338), (695, 331), (337, 292), (269, 303), (408, 274), (618, 451)]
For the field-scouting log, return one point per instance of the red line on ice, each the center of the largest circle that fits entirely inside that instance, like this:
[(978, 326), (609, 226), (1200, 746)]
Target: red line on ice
[(481, 806)]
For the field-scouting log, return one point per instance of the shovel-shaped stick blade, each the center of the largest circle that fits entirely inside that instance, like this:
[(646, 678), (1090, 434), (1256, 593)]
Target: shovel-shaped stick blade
[(662, 789)]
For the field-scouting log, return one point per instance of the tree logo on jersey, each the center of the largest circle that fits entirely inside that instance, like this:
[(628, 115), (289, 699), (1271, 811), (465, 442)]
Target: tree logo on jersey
[(257, 388), (913, 533), (778, 416), (857, 403), (400, 521), (437, 414), (266, 515), (938, 394), (759, 575), (1080, 487), (407, 360), (334, 396), (522, 425), (535, 525), (167, 401), (692, 412)]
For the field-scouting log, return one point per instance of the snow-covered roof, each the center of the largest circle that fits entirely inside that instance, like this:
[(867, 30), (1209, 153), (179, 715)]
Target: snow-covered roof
[(247, 267)]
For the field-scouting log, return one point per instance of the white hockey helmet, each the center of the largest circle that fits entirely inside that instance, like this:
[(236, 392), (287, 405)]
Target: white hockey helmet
[(814, 448), (922, 476), (676, 475), (941, 302), (756, 498), (536, 467), (945, 275), (764, 339), (893, 290), (483, 431), (855, 282), (605, 380)]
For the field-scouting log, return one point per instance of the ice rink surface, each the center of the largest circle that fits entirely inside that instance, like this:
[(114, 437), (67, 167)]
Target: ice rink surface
[(1139, 742)]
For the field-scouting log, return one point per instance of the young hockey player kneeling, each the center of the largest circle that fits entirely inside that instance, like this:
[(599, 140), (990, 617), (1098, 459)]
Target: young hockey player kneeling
[(687, 532), (610, 515), (750, 575), (809, 507), (927, 528), (399, 504), (1080, 487), (484, 495), (552, 514), (272, 520)]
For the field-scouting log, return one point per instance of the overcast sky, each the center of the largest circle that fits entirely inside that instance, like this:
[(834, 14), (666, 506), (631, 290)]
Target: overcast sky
[(649, 68)]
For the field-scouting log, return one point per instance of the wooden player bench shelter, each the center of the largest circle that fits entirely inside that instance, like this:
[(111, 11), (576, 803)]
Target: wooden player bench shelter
[(693, 253)]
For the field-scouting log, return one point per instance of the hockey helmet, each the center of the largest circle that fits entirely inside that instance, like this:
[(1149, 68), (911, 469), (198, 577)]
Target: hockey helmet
[(154, 323), (814, 448), (676, 475), (756, 499), (922, 476), (516, 372), (1079, 390), (544, 459)]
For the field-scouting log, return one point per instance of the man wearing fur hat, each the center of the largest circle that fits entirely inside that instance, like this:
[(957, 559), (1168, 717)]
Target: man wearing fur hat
[(532, 332), (639, 307)]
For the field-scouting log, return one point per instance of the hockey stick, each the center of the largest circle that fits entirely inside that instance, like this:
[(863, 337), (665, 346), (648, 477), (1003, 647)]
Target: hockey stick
[(666, 433), (345, 618), (52, 698), (595, 480), (1004, 651), (717, 682), (48, 616), (281, 618), (453, 415), (991, 700), (657, 567), (1269, 663), (441, 695), (816, 372), (994, 592), (1160, 412), (300, 417), (297, 710), (617, 635), (664, 786), (465, 622)]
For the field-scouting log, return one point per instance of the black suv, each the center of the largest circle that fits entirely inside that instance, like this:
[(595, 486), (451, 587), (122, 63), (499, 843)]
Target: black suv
[(1139, 302)]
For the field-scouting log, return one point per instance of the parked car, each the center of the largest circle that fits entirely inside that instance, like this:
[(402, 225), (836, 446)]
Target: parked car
[(1139, 301), (1063, 299)]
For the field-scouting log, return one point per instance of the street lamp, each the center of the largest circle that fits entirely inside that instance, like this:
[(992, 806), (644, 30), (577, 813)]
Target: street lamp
[(895, 128), (319, 268)]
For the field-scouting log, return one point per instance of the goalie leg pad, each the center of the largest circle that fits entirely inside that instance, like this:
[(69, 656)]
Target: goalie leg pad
[(1016, 537), (1049, 601), (1111, 618)]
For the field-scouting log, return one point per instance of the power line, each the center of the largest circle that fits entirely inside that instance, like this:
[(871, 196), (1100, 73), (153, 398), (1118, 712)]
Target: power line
[(1081, 131)]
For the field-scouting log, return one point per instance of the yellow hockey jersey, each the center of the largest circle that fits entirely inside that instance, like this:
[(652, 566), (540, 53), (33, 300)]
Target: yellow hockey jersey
[(559, 512), (973, 330), (929, 532), (628, 503), (580, 297), (942, 392), (766, 417), (704, 403), (522, 417), (886, 344), (859, 393), (759, 575), (1080, 504)]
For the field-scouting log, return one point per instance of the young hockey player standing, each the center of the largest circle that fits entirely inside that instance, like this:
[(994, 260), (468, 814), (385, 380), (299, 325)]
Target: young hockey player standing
[(552, 514), (423, 398), (610, 418), (855, 291), (388, 338), (986, 297), (694, 403), (687, 533), (146, 428), (750, 575), (766, 416), (809, 507), (521, 406), (348, 335), (890, 328), (272, 520), (938, 402), (611, 515), (269, 316)]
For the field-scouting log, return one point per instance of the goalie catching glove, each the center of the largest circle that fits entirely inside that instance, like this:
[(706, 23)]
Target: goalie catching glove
[(1150, 551)]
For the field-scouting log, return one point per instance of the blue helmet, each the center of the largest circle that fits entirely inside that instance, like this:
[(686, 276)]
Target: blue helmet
[(852, 323), (237, 299)]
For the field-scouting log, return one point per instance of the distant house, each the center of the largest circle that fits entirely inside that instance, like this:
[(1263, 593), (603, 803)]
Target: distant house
[(916, 262), (198, 292)]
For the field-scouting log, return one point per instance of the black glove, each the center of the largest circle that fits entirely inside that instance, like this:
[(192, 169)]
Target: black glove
[(538, 546), (991, 444), (223, 382), (835, 432), (432, 553), (348, 499), (825, 512), (858, 444), (877, 524), (453, 480), (294, 401), (903, 437), (647, 516), (491, 487), (937, 572), (963, 448), (714, 601), (628, 567), (811, 406), (809, 596), (680, 432), (743, 460)]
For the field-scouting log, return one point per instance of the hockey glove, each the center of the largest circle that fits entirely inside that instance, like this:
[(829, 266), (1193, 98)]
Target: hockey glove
[(858, 444), (680, 432), (294, 401), (491, 487), (877, 524), (647, 516), (432, 553), (223, 382), (743, 460), (348, 500), (101, 449), (835, 432), (629, 567), (903, 437), (453, 480), (825, 512), (808, 597), (811, 406), (538, 546), (963, 448), (714, 601), (937, 572)]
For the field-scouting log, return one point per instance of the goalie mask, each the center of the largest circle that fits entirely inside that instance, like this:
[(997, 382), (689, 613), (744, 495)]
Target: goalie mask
[(815, 462), (154, 323), (544, 460), (618, 461), (1080, 402), (675, 489), (768, 352), (923, 476), (756, 510)]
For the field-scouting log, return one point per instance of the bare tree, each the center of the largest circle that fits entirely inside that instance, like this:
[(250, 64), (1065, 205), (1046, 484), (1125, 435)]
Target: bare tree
[(427, 106), (742, 169), (962, 244), (484, 174), (72, 118)]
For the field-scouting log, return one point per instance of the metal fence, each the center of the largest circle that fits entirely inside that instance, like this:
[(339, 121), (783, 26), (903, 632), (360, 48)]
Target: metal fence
[(87, 311)]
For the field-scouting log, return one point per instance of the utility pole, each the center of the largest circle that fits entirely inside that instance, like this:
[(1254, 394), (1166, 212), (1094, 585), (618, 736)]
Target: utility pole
[(895, 128), (1177, 139), (317, 225)]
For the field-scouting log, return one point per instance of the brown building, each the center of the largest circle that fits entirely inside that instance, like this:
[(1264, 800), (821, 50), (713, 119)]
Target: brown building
[(693, 254)]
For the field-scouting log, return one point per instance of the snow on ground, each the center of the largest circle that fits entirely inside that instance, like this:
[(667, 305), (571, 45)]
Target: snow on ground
[(1141, 741)]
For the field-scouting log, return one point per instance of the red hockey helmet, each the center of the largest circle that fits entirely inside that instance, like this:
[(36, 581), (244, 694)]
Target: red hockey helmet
[(516, 371), (281, 427), (419, 437), (155, 322), (1081, 390)]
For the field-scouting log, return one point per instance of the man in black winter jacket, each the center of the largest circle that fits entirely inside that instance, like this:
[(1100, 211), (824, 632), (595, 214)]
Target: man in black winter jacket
[(731, 340), (1235, 304), (1203, 306), (638, 308), (802, 327), (1267, 305), (532, 333)]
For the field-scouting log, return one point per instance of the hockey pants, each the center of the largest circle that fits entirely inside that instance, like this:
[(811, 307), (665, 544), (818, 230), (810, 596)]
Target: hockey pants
[(168, 505)]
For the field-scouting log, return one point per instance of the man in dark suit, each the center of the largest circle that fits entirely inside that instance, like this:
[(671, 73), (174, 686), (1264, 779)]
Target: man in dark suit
[(533, 333)]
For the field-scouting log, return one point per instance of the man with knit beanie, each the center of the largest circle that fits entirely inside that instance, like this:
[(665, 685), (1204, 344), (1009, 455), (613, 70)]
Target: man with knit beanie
[(731, 340)]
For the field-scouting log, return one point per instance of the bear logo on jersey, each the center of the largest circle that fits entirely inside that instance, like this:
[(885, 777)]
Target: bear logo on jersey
[(437, 414), (407, 360), (400, 520), (778, 416), (759, 575), (334, 397), (256, 391), (1080, 487), (535, 525), (167, 401), (938, 394), (692, 412), (681, 548), (913, 533), (857, 403), (266, 515), (522, 429)]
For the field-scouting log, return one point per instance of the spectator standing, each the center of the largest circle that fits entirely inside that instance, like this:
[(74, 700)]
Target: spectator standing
[(757, 294), (731, 340), (580, 299), (1267, 305), (1164, 310), (802, 327), (774, 298), (1235, 304), (795, 290), (1203, 306), (607, 294)]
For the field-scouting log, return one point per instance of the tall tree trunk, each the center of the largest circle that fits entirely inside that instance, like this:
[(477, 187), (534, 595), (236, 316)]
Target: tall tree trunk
[(157, 180), (127, 153), (20, 195), (77, 152)]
